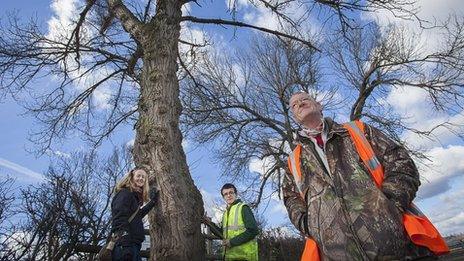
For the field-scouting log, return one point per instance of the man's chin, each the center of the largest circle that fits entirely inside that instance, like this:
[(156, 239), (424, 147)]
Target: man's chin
[(311, 116)]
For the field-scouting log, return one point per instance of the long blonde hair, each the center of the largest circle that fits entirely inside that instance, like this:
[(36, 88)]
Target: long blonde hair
[(126, 182)]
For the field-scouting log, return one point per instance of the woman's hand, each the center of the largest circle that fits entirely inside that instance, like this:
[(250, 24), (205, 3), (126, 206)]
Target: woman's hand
[(154, 193)]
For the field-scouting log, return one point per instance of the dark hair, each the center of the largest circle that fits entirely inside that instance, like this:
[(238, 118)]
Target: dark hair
[(228, 186)]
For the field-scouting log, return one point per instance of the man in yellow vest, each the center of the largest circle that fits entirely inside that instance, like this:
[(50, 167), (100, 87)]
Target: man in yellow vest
[(330, 195), (239, 228)]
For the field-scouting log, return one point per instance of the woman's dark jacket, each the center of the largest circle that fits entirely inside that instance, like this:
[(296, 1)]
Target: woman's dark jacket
[(124, 204)]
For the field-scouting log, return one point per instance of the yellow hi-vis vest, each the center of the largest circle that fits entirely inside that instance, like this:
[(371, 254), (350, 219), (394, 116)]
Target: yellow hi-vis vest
[(418, 227), (232, 226)]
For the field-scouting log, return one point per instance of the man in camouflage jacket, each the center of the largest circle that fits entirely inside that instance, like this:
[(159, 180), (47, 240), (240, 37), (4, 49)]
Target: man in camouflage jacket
[(342, 209)]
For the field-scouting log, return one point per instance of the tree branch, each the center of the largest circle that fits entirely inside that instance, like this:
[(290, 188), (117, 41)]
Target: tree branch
[(129, 21), (241, 24), (77, 28)]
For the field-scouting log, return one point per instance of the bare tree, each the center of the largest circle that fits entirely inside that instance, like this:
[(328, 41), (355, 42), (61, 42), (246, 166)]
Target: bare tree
[(7, 213), (71, 207), (371, 61), (247, 109), (242, 101), (131, 49), (6, 198)]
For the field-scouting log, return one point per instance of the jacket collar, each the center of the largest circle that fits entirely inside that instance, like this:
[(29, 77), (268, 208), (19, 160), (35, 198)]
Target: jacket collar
[(330, 128), (235, 202)]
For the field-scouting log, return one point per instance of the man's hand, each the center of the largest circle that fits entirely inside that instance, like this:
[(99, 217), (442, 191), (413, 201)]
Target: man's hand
[(400, 208), (226, 243), (206, 219), (127, 254)]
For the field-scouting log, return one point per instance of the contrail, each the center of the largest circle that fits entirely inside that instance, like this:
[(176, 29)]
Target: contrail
[(20, 169)]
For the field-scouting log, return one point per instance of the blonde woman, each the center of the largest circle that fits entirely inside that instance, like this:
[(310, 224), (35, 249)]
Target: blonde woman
[(130, 194)]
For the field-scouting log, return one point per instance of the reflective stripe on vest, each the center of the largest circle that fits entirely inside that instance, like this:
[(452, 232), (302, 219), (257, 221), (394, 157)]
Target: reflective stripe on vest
[(419, 228), (417, 225), (235, 225), (310, 252), (365, 151), (295, 169)]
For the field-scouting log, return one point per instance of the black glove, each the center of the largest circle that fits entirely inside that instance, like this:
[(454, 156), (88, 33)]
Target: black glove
[(121, 234), (127, 253), (154, 193)]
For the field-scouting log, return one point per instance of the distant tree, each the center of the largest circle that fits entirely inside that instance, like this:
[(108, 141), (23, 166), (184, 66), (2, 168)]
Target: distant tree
[(72, 206), (279, 244), (6, 197), (6, 215)]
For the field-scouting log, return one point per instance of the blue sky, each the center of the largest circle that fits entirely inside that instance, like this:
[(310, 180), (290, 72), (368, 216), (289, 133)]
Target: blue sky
[(440, 196)]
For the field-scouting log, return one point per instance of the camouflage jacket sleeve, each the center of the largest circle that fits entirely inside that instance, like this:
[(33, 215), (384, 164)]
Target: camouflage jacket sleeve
[(296, 207), (401, 179)]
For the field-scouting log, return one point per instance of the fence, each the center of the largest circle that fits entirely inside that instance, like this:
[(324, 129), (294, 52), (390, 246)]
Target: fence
[(210, 234)]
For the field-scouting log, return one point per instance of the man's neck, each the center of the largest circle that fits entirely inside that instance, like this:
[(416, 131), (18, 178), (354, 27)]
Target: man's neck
[(233, 203), (313, 124)]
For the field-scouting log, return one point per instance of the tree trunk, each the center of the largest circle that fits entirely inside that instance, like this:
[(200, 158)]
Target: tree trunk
[(175, 222)]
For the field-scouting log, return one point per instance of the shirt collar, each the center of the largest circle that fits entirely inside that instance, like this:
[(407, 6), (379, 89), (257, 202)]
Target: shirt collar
[(330, 127), (310, 133), (235, 202)]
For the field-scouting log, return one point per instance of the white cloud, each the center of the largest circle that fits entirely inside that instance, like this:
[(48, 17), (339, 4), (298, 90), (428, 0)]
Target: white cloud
[(130, 143), (239, 4), (101, 96), (60, 27), (212, 206), (58, 153), (22, 170), (411, 101), (445, 154), (239, 76), (415, 105), (279, 208), (453, 224), (438, 9), (446, 211), (446, 165), (264, 17), (185, 144), (260, 166), (441, 192), (428, 10), (191, 56), (186, 9), (16, 240), (283, 231), (60, 24), (440, 180)]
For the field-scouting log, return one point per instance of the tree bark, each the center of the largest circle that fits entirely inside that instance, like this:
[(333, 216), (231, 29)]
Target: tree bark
[(175, 222)]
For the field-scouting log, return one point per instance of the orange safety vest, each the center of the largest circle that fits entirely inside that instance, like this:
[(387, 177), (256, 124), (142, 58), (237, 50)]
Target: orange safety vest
[(419, 228)]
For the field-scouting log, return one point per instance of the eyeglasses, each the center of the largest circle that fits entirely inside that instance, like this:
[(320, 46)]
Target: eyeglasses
[(228, 193)]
